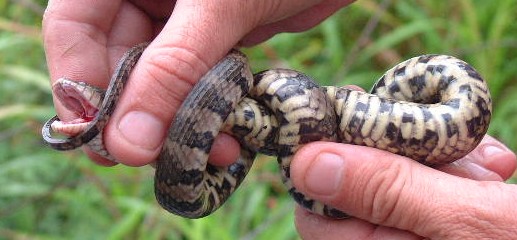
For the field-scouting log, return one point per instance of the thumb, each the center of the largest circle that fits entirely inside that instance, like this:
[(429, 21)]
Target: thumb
[(394, 191), (184, 50)]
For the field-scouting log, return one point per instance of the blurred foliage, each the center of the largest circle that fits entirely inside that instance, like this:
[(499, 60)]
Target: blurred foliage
[(52, 195)]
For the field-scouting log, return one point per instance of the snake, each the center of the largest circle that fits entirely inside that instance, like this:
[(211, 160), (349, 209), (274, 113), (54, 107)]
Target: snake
[(433, 109)]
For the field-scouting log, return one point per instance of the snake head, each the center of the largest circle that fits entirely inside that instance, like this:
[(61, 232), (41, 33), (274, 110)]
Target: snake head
[(80, 98)]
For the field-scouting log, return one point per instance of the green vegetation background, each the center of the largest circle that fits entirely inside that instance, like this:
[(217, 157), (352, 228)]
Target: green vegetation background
[(53, 195)]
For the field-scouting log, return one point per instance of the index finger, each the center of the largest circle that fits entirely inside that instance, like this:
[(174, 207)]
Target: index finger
[(83, 41), (80, 43), (70, 27)]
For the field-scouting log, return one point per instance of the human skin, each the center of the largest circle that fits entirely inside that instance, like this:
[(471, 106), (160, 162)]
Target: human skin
[(394, 197), (85, 39)]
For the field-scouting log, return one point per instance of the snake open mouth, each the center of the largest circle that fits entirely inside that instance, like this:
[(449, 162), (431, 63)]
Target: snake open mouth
[(81, 100)]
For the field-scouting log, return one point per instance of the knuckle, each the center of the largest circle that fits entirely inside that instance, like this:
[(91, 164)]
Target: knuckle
[(384, 193), (170, 73)]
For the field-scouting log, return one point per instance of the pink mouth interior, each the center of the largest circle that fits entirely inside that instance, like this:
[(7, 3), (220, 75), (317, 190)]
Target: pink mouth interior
[(74, 101)]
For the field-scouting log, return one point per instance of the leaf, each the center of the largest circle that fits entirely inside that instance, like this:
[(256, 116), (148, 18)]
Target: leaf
[(397, 36)]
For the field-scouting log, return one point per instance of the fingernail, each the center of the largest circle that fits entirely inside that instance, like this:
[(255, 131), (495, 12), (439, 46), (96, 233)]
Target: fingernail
[(325, 174), (491, 150), (142, 129)]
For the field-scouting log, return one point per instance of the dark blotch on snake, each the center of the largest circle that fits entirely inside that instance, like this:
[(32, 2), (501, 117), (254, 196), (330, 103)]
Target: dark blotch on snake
[(400, 71), (392, 131), (435, 69), (449, 125), (179, 206), (385, 107), (361, 107), (470, 71), (426, 58), (430, 136), (343, 93), (407, 118), (446, 81), (294, 87), (427, 114), (300, 198), (417, 84), (218, 104), (200, 140), (394, 88), (453, 103)]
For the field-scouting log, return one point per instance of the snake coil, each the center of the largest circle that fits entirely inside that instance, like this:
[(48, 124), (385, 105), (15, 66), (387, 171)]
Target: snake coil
[(434, 109)]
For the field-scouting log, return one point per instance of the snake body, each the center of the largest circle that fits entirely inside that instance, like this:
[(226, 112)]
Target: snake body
[(434, 109)]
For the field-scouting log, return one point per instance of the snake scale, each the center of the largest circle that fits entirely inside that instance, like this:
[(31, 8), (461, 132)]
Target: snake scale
[(433, 108)]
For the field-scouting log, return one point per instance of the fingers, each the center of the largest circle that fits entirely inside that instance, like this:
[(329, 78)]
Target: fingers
[(394, 191), (68, 30), (197, 35), (77, 36), (490, 161), (184, 50)]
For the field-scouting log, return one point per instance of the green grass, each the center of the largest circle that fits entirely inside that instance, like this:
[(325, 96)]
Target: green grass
[(52, 195)]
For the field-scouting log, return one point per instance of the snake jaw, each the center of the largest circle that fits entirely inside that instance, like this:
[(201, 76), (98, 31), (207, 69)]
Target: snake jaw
[(71, 128), (81, 99)]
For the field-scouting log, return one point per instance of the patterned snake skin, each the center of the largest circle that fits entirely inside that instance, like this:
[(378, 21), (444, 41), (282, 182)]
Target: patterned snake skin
[(433, 108)]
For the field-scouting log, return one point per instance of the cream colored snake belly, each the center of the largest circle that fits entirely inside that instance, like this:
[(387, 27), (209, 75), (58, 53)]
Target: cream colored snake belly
[(434, 109)]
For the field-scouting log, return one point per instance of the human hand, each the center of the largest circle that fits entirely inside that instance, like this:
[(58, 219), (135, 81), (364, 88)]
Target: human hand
[(85, 39), (393, 197)]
